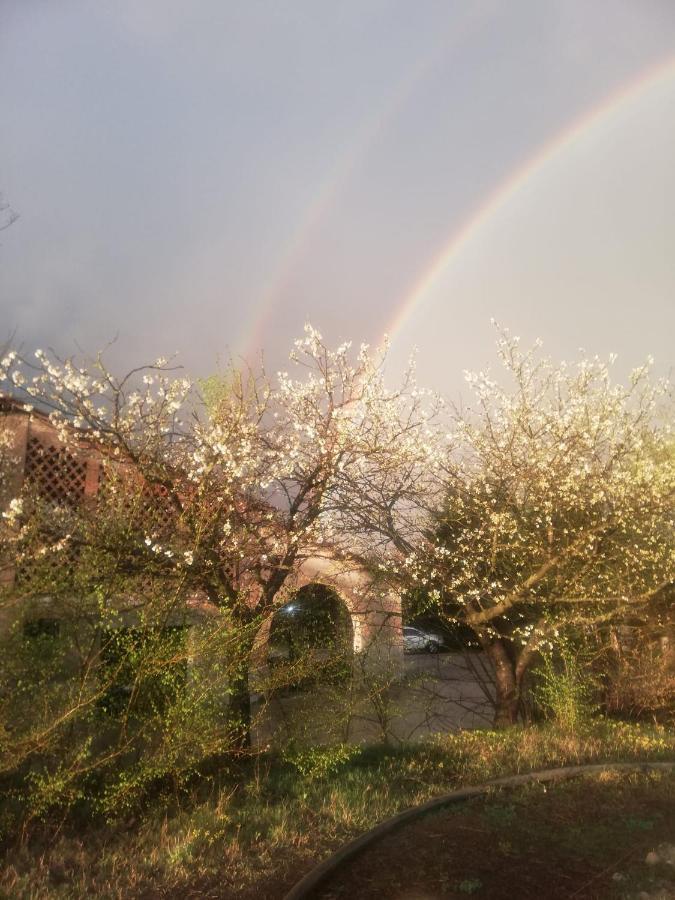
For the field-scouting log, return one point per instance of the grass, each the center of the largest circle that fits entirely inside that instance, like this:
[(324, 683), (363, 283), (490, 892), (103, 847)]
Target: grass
[(252, 832), (586, 838)]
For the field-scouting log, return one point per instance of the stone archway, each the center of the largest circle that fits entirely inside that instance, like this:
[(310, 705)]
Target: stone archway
[(315, 620), (375, 612), (311, 641)]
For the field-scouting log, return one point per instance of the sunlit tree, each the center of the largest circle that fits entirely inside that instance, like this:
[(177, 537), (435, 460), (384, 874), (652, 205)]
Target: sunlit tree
[(210, 494), (557, 510)]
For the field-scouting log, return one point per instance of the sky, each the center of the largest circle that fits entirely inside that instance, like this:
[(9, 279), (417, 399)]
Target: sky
[(203, 177)]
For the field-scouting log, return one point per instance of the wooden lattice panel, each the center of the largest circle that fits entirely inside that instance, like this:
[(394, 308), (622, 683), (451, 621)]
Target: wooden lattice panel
[(158, 505), (58, 476), (38, 576), (147, 506)]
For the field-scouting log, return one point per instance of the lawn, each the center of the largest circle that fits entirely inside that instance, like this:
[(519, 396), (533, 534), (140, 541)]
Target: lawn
[(585, 838), (252, 830)]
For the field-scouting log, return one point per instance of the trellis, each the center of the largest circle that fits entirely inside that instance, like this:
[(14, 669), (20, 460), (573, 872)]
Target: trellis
[(141, 504), (57, 475), (63, 478)]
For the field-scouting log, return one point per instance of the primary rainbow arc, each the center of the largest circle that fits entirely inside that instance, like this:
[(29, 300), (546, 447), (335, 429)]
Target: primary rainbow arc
[(600, 115)]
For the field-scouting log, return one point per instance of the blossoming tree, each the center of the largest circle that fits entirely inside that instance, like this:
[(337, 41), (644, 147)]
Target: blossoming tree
[(212, 494), (548, 502), (557, 509)]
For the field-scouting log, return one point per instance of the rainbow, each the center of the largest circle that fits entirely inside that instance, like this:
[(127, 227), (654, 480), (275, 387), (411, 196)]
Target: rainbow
[(339, 175), (600, 115)]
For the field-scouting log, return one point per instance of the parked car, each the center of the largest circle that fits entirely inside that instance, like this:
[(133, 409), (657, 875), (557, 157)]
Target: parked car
[(416, 640)]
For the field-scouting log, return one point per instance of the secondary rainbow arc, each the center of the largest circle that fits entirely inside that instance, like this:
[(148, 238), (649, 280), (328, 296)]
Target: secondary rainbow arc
[(339, 174)]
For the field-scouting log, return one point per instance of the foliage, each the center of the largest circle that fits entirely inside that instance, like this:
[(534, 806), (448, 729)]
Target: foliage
[(546, 507), (566, 687), (7, 215), (557, 509), (207, 500), (640, 681), (320, 762), (266, 823)]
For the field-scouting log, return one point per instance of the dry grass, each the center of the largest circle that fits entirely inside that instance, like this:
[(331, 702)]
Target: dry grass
[(254, 832)]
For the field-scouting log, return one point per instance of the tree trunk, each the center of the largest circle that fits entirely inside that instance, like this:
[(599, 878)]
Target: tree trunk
[(507, 699), (239, 708)]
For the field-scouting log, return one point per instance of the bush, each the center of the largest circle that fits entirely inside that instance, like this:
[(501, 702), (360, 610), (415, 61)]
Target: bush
[(99, 716), (565, 687), (315, 763), (641, 683)]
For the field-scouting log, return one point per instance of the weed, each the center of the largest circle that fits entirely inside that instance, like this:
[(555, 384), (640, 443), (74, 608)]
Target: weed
[(264, 823), (469, 885)]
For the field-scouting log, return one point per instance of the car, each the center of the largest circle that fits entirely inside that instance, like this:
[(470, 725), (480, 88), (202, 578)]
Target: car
[(416, 640)]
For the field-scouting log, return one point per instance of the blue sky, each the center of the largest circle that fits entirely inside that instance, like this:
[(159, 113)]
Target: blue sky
[(204, 176)]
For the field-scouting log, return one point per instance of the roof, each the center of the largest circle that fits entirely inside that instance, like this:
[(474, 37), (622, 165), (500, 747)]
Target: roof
[(10, 404)]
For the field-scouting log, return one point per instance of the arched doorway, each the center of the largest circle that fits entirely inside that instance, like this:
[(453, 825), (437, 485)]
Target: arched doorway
[(333, 609), (311, 639)]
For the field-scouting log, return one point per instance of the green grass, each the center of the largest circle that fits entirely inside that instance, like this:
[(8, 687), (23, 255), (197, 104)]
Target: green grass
[(254, 831), (584, 837)]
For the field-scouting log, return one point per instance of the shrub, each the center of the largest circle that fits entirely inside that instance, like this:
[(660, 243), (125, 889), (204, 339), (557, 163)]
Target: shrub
[(565, 686), (641, 683)]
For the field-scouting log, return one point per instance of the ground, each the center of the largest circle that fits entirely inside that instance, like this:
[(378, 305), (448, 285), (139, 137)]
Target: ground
[(251, 830), (586, 838), (437, 693)]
